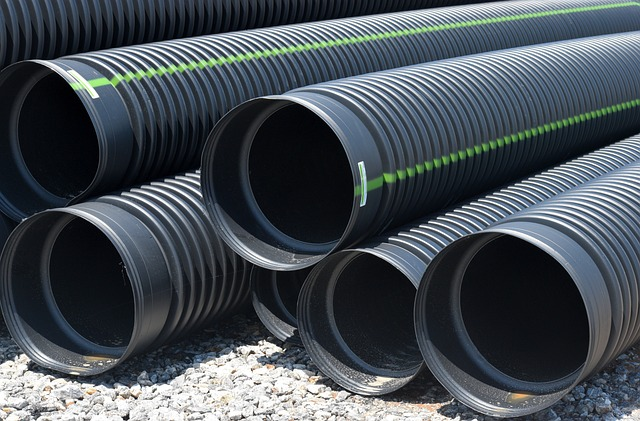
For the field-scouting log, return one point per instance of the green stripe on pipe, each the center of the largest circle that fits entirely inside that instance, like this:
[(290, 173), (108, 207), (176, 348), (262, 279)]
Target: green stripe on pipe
[(292, 49), (453, 157)]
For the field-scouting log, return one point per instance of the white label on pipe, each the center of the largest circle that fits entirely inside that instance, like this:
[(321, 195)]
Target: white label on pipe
[(363, 183), (85, 84)]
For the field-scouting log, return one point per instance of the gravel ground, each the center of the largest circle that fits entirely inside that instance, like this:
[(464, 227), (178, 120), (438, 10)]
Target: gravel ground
[(237, 371)]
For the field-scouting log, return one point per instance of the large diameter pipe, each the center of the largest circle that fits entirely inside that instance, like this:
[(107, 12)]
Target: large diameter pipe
[(355, 310), (94, 122), (326, 166), (86, 287), (511, 318), (44, 30)]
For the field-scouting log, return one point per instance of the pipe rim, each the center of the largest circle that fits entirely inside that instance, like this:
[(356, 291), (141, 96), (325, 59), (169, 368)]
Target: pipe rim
[(514, 397), (327, 347), (251, 233), (272, 298), (49, 346), (98, 128)]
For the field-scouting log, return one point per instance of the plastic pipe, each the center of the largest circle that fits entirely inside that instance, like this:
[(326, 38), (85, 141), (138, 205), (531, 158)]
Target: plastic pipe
[(326, 166), (512, 318), (355, 310), (86, 287), (275, 298), (43, 29), (88, 124)]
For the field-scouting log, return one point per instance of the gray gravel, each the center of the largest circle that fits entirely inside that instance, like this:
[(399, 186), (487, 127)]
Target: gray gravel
[(238, 371)]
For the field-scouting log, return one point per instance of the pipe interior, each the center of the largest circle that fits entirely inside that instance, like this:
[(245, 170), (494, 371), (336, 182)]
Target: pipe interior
[(373, 310), (288, 288), (523, 312), (56, 137), (300, 176), (90, 285)]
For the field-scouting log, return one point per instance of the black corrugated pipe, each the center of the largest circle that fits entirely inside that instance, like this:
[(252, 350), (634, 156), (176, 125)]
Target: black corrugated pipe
[(355, 310), (513, 317), (95, 122), (274, 296), (326, 166), (84, 288), (48, 29)]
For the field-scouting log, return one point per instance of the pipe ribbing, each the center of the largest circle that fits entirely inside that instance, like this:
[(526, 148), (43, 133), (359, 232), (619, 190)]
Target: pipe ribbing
[(566, 268), (85, 287), (331, 322), (43, 29), (133, 114), (325, 166)]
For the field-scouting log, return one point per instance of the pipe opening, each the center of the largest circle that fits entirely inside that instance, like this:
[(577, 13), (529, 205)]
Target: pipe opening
[(373, 311), (275, 299), (300, 176), (90, 285), (56, 137), (523, 312)]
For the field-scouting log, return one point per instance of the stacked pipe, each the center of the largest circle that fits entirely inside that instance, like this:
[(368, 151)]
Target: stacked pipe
[(356, 307), (565, 278), (90, 123), (382, 149), (378, 151), (42, 29), (86, 287)]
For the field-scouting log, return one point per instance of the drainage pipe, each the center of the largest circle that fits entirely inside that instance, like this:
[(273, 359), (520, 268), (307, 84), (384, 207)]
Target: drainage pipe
[(44, 29), (512, 318), (75, 127), (326, 166), (355, 310), (84, 288)]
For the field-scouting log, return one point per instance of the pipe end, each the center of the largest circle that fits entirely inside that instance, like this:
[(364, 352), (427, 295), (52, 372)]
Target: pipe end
[(81, 292), (285, 179), (355, 315), (63, 138), (506, 318)]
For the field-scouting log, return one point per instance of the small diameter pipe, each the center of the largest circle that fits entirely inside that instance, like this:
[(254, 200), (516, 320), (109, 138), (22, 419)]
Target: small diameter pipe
[(84, 288), (512, 318), (43, 30), (275, 298), (326, 166), (355, 310), (75, 127)]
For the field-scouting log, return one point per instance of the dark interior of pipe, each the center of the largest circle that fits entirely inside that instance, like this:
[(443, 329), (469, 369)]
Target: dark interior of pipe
[(56, 138), (90, 285), (373, 309), (300, 176), (289, 285), (523, 312)]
